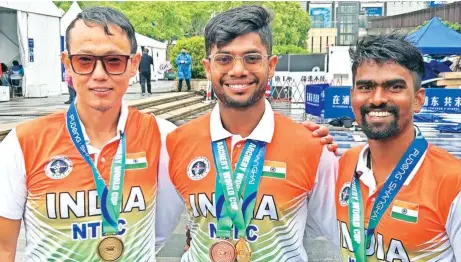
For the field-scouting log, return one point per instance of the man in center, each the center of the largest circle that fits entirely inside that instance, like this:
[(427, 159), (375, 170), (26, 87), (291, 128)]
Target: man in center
[(252, 180)]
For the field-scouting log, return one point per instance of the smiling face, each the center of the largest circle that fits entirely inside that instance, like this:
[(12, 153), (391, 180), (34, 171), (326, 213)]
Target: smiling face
[(238, 87), (384, 99), (100, 90)]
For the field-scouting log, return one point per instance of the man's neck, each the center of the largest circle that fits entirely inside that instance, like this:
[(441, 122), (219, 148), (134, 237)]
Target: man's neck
[(385, 154), (241, 121), (100, 126)]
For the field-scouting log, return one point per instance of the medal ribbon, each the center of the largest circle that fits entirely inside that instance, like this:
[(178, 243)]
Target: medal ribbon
[(359, 236), (110, 199), (230, 210)]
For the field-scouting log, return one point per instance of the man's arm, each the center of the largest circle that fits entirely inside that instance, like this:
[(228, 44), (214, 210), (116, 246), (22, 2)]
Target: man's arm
[(321, 209), (324, 133), (13, 194), (9, 238), (169, 203), (453, 226), (188, 60)]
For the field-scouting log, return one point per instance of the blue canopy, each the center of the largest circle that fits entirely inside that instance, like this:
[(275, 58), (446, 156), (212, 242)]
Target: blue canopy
[(435, 38)]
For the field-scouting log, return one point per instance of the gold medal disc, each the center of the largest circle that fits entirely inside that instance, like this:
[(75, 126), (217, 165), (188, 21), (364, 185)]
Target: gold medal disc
[(242, 250), (110, 248), (222, 251)]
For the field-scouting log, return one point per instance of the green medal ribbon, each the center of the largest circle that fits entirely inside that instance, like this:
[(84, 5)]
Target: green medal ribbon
[(230, 210), (359, 236), (111, 199)]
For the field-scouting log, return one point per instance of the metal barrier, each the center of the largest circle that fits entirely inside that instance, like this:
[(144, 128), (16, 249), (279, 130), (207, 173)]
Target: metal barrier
[(292, 91)]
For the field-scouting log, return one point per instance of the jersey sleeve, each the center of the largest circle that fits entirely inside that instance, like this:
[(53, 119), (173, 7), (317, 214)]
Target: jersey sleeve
[(453, 226), (13, 189), (321, 210), (169, 203)]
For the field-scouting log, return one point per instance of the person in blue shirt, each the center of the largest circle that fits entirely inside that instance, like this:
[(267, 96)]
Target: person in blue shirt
[(184, 62), (17, 69)]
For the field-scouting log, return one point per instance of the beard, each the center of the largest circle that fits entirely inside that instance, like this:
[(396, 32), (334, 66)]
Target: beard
[(257, 95), (380, 131)]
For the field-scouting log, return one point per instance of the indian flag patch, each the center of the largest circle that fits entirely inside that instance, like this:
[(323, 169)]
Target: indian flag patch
[(405, 211), (274, 169), (136, 161)]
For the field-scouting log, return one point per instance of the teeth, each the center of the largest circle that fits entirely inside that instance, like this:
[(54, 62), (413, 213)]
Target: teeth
[(237, 86), (379, 114)]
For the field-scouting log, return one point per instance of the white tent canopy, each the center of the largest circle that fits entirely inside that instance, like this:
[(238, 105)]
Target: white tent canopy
[(29, 33), (156, 49)]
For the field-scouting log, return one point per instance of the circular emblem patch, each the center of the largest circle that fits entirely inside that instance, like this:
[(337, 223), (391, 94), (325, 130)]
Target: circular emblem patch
[(198, 168), (344, 194), (59, 167)]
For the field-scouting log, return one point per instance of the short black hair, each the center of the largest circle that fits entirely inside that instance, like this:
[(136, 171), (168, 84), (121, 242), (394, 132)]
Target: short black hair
[(104, 16), (227, 26), (388, 47), (15, 63)]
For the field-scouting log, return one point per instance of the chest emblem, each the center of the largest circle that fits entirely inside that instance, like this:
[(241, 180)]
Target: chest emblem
[(344, 194), (136, 161), (59, 167), (198, 168), (405, 211)]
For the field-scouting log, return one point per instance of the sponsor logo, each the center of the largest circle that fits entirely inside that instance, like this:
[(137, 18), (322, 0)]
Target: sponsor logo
[(344, 194), (59, 167), (198, 168)]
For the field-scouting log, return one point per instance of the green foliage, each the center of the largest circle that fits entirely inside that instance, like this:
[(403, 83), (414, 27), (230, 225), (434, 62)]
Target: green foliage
[(177, 20), (454, 26), (64, 5), (196, 48), (289, 49)]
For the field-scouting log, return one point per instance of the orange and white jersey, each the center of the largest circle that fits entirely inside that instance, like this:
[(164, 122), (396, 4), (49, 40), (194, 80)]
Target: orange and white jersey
[(296, 188), (46, 182), (423, 223)]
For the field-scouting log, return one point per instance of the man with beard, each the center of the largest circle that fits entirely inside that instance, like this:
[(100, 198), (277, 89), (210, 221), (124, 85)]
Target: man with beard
[(251, 179), (398, 197)]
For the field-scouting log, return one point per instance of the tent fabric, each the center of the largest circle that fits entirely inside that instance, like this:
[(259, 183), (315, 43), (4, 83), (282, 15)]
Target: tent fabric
[(435, 38), (43, 75), (47, 8), (38, 22), (70, 15), (449, 128)]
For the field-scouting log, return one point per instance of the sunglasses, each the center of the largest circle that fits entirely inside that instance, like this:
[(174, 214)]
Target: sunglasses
[(112, 64)]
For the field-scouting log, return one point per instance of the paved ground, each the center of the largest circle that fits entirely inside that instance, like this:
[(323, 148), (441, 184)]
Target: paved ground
[(19, 109), (318, 249)]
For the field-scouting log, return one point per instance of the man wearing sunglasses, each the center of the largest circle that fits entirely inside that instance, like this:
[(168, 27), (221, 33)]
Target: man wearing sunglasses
[(85, 181), (65, 174), (252, 180)]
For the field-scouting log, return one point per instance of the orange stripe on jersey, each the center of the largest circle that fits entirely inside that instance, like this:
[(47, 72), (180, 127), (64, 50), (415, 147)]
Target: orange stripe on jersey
[(406, 205), (135, 155)]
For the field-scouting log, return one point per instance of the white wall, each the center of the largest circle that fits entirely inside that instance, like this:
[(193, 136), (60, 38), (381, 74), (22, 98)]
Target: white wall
[(401, 7), (9, 43), (339, 64), (44, 74)]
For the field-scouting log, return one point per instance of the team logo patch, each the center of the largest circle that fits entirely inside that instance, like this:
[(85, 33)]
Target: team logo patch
[(344, 194), (59, 167), (198, 168)]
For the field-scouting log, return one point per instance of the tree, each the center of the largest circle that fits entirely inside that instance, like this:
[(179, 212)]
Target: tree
[(196, 48), (177, 20), (289, 49)]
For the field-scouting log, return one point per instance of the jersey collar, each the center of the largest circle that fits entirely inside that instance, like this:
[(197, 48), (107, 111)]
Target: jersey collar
[(366, 173), (263, 131)]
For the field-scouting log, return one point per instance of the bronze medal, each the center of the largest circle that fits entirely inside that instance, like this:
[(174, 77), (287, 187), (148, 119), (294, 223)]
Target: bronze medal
[(110, 248), (242, 250), (222, 251)]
